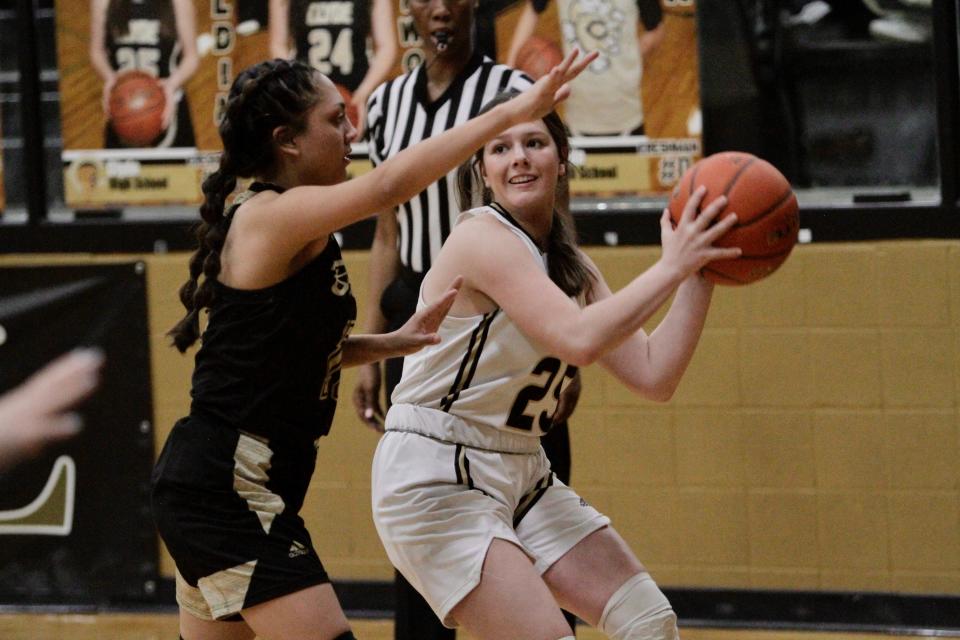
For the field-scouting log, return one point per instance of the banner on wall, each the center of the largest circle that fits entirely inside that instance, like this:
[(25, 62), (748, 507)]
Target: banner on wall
[(635, 112), (74, 523), (142, 86)]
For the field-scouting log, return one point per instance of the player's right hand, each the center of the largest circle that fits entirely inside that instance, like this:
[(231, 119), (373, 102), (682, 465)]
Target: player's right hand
[(689, 247)]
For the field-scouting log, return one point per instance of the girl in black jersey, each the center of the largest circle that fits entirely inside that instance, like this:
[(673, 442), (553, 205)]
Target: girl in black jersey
[(232, 477), (154, 36)]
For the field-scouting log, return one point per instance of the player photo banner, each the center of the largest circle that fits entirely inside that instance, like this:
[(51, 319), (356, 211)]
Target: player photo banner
[(142, 86), (74, 523), (635, 111)]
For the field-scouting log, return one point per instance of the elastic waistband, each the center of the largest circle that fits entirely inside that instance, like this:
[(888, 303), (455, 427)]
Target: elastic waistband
[(439, 425)]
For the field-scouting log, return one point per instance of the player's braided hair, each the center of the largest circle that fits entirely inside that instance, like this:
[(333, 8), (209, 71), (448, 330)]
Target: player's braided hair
[(276, 93), (565, 265)]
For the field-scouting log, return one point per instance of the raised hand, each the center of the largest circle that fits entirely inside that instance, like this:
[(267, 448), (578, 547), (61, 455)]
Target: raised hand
[(552, 88), (689, 246)]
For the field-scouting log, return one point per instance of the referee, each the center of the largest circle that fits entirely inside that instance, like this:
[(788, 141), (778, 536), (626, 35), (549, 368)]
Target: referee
[(449, 87)]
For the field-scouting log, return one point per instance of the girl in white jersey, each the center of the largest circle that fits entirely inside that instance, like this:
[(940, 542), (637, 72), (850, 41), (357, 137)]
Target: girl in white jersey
[(463, 496)]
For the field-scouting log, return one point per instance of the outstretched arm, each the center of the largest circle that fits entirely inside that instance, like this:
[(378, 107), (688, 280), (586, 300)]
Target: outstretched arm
[(499, 268), (303, 214), (419, 331)]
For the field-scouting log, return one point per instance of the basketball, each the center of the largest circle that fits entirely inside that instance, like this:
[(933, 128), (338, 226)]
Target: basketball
[(136, 108), (537, 56), (768, 219), (352, 113)]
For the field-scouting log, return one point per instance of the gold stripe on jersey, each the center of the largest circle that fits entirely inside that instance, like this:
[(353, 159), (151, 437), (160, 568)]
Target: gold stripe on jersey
[(468, 365)]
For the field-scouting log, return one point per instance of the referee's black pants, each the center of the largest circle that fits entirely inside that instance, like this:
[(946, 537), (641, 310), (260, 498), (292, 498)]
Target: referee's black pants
[(413, 617)]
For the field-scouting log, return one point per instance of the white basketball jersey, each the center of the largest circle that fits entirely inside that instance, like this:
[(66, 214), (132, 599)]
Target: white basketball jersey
[(484, 369), (605, 98)]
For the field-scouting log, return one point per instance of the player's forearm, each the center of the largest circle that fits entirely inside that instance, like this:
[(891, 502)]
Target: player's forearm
[(605, 325), (675, 339), (366, 348), (409, 172)]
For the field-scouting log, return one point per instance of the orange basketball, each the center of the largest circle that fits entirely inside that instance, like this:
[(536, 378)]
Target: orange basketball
[(768, 218), (136, 108), (352, 113), (537, 56)]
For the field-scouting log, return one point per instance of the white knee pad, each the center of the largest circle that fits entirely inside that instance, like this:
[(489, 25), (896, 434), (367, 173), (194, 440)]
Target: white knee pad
[(639, 611)]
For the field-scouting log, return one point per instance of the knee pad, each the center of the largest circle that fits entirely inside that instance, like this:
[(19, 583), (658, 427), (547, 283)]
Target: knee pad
[(639, 611)]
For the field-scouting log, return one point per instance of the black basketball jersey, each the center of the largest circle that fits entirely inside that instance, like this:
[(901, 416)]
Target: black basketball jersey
[(270, 358), (331, 36), (144, 43)]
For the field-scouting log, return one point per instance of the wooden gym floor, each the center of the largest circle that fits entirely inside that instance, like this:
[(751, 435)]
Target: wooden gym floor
[(108, 626)]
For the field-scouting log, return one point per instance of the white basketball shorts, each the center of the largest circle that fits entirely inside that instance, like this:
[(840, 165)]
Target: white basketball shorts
[(443, 489)]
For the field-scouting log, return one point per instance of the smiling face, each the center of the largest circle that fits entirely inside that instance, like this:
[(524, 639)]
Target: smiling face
[(521, 167), (323, 147), (449, 21)]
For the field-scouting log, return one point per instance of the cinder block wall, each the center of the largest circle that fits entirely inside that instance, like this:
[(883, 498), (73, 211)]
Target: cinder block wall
[(813, 444)]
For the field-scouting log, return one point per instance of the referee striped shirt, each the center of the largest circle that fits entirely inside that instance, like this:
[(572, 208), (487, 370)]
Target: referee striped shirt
[(400, 114)]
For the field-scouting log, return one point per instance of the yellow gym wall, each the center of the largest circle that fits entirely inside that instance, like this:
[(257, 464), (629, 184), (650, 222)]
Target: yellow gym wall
[(813, 444)]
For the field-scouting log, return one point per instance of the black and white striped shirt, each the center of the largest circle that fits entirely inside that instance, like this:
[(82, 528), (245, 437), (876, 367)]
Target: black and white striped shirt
[(400, 114)]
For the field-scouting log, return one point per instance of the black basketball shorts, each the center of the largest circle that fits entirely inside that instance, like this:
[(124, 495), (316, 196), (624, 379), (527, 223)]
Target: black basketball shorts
[(235, 538)]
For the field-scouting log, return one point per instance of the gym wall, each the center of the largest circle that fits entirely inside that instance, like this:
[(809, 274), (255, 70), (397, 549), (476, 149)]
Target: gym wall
[(812, 444)]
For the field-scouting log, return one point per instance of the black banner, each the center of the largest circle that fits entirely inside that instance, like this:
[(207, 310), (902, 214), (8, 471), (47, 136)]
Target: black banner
[(75, 525)]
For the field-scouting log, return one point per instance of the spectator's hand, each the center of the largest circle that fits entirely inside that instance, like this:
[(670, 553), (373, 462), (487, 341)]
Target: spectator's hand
[(568, 401), (38, 412), (366, 396)]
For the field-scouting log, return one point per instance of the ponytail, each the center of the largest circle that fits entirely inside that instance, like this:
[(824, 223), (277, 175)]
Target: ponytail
[(205, 261)]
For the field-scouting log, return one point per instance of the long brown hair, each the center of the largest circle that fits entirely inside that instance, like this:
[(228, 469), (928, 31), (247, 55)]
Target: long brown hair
[(265, 96), (565, 264)]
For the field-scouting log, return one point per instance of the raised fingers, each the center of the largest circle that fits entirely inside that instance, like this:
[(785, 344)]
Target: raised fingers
[(690, 209), (709, 213), (573, 70)]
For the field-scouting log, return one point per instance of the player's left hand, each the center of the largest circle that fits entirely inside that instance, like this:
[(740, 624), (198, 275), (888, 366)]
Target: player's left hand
[(421, 329)]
